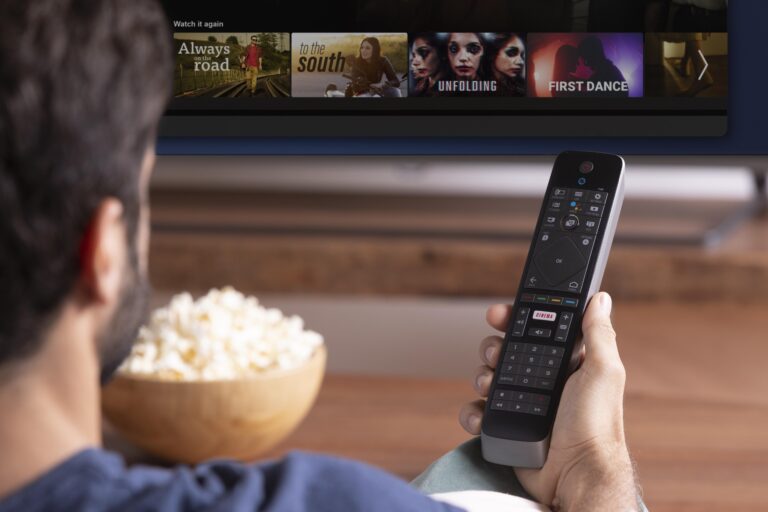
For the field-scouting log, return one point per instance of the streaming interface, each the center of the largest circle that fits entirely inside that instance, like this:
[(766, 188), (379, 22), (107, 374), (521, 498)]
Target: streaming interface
[(526, 67)]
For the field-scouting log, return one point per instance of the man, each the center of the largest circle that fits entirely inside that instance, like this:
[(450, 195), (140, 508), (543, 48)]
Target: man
[(76, 154), (252, 61)]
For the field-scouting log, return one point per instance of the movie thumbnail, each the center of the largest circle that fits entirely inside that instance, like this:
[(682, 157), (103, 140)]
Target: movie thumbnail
[(688, 64), (585, 65), (467, 64), (350, 65), (227, 65)]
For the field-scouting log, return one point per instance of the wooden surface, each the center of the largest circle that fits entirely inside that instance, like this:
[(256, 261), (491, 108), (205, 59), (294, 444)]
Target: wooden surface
[(696, 409), (335, 244)]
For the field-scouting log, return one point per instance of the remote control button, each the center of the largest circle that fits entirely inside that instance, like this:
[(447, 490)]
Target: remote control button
[(541, 299), (518, 327), (522, 380), (560, 261), (534, 360), (513, 357), (530, 348), (546, 373), (528, 371), (574, 284), (554, 351), (545, 383), (538, 399), (508, 380), (590, 226), (556, 205), (579, 195), (532, 281), (502, 394), (526, 297), (598, 197), (516, 347), (559, 192), (561, 333), (547, 316), (510, 369), (501, 405), (538, 410), (594, 209), (521, 407), (538, 332), (575, 207), (571, 303), (519, 396), (557, 301), (551, 362), (550, 221), (570, 222)]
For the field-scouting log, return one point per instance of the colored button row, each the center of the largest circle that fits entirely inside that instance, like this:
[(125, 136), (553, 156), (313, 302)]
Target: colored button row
[(549, 299)]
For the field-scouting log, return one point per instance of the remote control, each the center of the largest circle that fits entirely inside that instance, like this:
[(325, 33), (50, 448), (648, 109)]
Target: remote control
[(563, 271)]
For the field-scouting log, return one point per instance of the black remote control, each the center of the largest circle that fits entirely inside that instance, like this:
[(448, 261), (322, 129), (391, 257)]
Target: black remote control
[(563, 271)]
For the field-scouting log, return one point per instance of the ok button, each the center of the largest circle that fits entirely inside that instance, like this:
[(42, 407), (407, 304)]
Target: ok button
[(570, 222)]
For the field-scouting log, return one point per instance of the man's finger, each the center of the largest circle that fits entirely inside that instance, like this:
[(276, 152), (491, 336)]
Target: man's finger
[(498, 316), (471, 416), (482, 380), (490, 349)]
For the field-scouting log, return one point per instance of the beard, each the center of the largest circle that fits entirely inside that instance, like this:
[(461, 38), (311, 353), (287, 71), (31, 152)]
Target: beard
[(131, 313)]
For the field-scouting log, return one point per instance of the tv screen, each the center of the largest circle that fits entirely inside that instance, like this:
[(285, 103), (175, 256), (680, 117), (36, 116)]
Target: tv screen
[(490, 73)]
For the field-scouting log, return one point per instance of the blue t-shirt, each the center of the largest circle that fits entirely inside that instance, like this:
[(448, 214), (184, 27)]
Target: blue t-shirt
[(96, 480)]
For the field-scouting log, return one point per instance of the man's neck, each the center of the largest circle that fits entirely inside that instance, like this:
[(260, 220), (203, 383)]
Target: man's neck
[(50, 406)]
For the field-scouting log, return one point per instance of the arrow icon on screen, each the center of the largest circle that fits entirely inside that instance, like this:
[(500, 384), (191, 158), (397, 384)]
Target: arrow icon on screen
[(706, 65)]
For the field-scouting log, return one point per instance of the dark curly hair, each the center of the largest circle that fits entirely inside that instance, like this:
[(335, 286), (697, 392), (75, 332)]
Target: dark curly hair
[(83, 84)]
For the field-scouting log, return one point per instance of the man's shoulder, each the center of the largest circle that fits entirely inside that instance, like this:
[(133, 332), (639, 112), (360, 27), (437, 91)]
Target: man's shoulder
[(98, 480)]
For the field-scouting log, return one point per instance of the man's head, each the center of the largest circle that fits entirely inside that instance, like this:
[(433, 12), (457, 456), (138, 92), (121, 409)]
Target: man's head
[(253, 39), (83, 84)]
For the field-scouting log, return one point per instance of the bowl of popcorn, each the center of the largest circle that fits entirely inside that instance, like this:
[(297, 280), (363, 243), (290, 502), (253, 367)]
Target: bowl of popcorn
[(217, 377)]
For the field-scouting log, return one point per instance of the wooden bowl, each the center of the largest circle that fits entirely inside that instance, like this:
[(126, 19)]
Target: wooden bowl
[(190, 422)]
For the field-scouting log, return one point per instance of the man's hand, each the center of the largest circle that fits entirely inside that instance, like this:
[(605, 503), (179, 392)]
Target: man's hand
[(588, 465)]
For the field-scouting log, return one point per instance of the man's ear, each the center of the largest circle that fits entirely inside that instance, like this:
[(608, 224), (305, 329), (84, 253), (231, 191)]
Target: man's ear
[(103, 253)]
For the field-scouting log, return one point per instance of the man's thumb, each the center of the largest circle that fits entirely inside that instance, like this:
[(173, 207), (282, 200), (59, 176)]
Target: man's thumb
[(599, 336)]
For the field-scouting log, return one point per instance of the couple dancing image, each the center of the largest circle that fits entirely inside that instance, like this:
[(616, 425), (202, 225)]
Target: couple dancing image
[(584, 70)]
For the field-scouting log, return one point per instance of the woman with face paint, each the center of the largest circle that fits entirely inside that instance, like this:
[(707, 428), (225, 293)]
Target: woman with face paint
[(507, 57), (465, 55), (426, 64)]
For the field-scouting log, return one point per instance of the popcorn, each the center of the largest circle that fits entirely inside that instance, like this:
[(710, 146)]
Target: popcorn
[(223, 335)]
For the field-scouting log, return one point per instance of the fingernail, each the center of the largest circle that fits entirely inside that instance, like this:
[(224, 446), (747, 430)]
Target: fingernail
[(474, 422), (489, 353), (479, 382), (606, 303)]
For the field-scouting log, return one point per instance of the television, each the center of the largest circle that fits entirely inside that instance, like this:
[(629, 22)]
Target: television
[(646, 78), (420, 82)]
